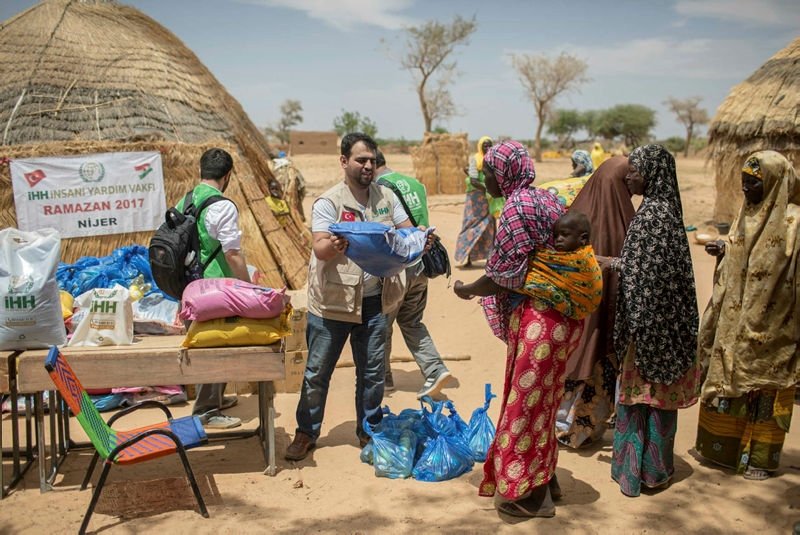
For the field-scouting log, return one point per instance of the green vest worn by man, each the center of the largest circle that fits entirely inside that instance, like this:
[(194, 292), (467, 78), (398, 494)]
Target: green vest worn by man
[(414, 195), (217, 268)]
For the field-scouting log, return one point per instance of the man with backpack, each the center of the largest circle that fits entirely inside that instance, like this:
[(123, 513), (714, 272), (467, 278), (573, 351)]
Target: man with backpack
[(219, 232), (413, 197)]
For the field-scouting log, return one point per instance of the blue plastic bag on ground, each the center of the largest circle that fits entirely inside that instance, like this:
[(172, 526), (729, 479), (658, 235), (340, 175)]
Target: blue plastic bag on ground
[(379, 249), (461, 427), (445, 457), (480, 432), (392, 451)]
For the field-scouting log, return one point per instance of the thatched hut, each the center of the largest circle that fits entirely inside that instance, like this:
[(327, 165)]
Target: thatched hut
[(81, 77), (763, 112)]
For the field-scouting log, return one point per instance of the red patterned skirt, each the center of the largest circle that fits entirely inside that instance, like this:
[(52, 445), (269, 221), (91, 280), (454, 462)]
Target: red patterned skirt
[(525, 450)]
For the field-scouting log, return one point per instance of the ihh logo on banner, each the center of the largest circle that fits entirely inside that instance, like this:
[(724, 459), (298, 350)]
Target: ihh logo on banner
[(92, 171)]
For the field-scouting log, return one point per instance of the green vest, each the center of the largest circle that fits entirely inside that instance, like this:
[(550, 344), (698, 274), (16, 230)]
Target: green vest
[(414, 195), (217, 268)]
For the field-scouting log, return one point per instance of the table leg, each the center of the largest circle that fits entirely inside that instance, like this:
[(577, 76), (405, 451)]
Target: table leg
[(12, 375), (55, 458), (39, 409), (62, 441), (29, 423), (266, 394)]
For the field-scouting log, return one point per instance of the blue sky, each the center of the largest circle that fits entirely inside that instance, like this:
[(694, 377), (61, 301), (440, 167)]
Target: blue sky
[(336, 55)]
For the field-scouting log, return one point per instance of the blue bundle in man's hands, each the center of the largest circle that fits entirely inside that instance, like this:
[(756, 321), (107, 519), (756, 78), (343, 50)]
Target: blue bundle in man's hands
[(378, 249)]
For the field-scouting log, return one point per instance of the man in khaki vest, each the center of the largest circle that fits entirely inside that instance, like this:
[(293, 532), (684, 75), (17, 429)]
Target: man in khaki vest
[(343, 301)]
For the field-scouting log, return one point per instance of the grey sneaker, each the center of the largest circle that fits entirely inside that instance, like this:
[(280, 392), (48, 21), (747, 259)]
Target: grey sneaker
[(388, 383), (217, 420), (434, 384)]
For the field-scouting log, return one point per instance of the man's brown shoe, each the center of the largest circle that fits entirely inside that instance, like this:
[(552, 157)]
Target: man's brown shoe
[(300, 447)]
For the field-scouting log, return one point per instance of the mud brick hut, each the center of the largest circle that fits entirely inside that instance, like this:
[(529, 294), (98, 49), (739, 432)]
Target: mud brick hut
[(308, 142), (761, 113), (81, 77)]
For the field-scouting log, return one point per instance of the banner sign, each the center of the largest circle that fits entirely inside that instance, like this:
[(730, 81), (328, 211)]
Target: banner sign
[(90, 194)]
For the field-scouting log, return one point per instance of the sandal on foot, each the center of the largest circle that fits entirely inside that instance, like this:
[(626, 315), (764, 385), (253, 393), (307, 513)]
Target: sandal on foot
[(538, 504), (756, 474), (518, 510)]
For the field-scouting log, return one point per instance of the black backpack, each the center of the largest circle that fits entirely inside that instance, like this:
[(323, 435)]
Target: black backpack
[(436, 261), (175, 248)]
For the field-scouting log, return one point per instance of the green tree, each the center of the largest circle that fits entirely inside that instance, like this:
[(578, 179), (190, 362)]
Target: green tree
[(589, 120), (291, 115), (427, 49), (544, 79), (689, 114), (565, 124), (631, 122), (674, 144), (352, 121)]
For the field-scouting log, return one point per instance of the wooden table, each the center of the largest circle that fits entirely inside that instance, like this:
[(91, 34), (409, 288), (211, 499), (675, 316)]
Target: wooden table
[(156, 360), (8, 386)]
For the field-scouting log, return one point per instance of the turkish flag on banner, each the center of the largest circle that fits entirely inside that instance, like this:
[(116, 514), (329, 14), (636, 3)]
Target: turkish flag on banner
[(348, 216), (34, 177)]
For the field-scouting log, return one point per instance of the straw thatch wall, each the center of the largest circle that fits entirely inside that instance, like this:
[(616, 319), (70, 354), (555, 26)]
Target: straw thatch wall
[(763, 112), (280, 254), (97, 76), (439, 162)]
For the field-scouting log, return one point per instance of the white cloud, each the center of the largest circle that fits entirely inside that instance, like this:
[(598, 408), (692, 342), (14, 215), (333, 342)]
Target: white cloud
[(348, 14), (759, 12), (706, 59)]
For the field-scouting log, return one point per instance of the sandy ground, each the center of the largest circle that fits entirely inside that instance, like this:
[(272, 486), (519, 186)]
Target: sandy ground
[(333, 492)]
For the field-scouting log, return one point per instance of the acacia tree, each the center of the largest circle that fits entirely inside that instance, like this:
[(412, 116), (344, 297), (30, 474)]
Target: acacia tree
[(689, 114), (544, 79), (631, 122), (291, 115), (565, 124), (427, 48)]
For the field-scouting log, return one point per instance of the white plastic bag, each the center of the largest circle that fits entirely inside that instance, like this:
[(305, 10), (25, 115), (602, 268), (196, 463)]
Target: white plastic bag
[(155, 314), (30, 306), (109, 321)]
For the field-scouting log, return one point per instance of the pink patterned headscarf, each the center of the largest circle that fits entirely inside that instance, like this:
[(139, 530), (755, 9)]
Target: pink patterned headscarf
[(525, 224), (512, 165)]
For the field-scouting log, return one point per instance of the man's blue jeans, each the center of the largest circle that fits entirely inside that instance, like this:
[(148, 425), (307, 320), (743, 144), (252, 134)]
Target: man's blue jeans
[(326, 339)]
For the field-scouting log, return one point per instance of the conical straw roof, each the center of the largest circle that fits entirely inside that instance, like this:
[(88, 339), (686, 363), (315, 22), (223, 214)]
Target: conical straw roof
[(97, 75)]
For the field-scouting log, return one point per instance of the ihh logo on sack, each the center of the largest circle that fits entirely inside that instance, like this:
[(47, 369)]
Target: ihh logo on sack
[(19, 299), (102, 307)]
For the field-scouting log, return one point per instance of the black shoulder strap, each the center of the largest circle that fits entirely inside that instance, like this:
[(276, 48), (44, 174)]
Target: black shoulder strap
[(199, 210), (396, 190)]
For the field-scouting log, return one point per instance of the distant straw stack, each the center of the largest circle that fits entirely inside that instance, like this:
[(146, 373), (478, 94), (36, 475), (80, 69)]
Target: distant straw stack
[(439, 162)]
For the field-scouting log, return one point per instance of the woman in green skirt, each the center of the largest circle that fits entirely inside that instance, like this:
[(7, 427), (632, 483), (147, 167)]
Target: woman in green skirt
[(749, 334)]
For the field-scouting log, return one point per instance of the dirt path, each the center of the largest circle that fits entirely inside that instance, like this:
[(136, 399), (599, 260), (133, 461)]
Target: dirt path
[(333, 492)]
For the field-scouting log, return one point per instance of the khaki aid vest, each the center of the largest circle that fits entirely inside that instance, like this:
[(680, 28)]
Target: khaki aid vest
[(335, 288)]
